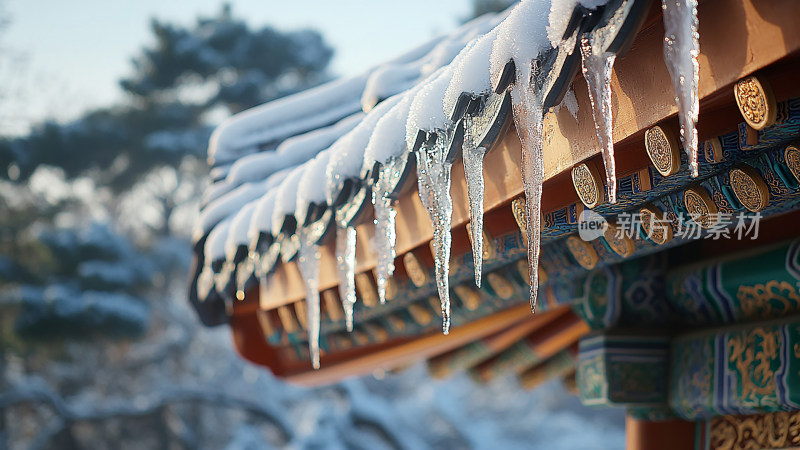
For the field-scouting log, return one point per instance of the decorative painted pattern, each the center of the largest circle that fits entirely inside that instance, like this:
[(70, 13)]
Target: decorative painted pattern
[(623, 370), (743, 370)]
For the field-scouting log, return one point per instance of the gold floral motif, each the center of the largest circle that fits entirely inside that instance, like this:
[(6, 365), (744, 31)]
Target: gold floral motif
[(655, 224), (756, 102), (662, 148), (583, 252), (792, 156), (416, 273), (619, 242), (700, 207), (774, 430), (772, 299), (587, 184), (749, 188), (753, 352)]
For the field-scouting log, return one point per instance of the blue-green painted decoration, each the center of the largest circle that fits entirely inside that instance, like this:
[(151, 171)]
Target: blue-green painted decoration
[(623, 370)]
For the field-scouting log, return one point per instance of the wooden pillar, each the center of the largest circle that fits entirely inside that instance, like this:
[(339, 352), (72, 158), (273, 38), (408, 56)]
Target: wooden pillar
[(666, 435)]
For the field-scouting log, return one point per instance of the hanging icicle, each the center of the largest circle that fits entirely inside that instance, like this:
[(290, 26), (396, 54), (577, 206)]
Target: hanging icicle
[(308, 262), (597, 68), (528, 114), (472, 156), (681, 51), (433, 178), (346, 267)]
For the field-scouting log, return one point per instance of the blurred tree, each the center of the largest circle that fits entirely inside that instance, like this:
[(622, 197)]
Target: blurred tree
[(218, 65)]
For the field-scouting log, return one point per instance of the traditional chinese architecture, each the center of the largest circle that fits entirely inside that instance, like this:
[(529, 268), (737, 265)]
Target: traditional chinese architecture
[(347, 226)]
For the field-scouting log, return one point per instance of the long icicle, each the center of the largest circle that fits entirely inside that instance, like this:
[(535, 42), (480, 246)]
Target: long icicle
[(385, 234), (346, 267), (597, 69), (528, 116), (433, 178), (472, 158), (309, 268), (681, 52)]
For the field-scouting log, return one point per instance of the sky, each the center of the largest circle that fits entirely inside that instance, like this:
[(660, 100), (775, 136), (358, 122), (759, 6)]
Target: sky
[(65, 56)]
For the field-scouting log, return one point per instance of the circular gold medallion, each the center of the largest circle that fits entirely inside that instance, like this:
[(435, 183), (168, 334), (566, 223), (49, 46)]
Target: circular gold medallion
[(756, 102), (750, 188), (655, 224), (663, 149), (700, 207), (712, 149), (619, 241), (588, 185), (583, 252), (792, 156)]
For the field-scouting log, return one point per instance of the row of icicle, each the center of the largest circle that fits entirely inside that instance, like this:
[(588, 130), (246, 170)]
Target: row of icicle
[(681, 50)]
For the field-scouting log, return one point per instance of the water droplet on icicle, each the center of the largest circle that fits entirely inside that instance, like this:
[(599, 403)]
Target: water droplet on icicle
[(597, 67), (681, 50), (528, 119), (472, 157), (433, 178), (346, 267), (308, 262)]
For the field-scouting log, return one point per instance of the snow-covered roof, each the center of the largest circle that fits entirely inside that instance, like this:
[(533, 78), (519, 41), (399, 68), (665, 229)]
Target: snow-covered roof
[(344, 126)]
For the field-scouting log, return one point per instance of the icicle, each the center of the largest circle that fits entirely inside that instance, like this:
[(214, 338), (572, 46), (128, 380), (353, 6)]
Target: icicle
[(385, 233), (433, 178), (681, 50), (472, 157), (309, 268), (597, 67), (346, 265), (385, 237), (528, 116)]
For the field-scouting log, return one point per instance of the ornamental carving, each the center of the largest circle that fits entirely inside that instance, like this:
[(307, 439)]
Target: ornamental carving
[(776, 430), (583, 252), (587, 184), (756, 102), (655, 225), (619, 242), (700, 207), (754, 354), (792, 156), (662, 148), (771, 299), (749, 188)]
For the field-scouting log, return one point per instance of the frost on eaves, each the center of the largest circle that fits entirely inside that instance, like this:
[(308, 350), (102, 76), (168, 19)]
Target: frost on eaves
[(681, 50)]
